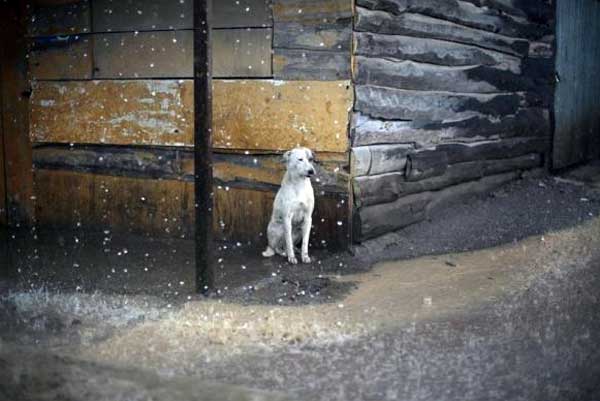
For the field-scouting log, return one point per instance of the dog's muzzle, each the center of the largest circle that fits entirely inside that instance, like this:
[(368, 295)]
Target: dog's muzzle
[(310, 173)]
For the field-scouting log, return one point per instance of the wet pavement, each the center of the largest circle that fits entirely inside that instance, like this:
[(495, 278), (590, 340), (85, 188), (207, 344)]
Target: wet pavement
[(519, 321)]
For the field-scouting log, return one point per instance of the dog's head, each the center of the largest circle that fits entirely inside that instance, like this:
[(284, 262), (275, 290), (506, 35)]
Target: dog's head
[(299, 162)]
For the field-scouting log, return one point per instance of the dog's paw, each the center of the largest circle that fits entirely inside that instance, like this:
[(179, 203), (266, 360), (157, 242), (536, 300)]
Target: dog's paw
[(292, 259), (305, 259)]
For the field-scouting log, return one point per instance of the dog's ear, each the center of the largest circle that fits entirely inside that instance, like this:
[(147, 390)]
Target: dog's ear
[(286, 157)]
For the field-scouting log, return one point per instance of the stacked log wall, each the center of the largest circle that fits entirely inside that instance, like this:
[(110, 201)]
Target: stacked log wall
[(452, 98)]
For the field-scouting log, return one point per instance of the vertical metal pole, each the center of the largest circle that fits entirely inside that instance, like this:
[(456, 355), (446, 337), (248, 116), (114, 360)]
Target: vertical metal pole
[(205, 269)]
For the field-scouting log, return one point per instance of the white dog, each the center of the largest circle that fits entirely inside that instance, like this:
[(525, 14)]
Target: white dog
[(293, 207)]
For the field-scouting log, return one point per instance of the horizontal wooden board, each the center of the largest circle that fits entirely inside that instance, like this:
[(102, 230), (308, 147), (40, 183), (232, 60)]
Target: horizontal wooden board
[(61, 57), (162, 208), (525, 122), (263, 172), (299, 65), (279, 115), (427, 77), (247, 115), (432, 51), (373, 221), (242, 53), (379, 159), (334, 36), (311, 10), (143, 15), (170, 54), (463, 13), (417, 25), (167, 54), (385, 188), (139, 15), (59, 18), (113, 112), (397, 104)]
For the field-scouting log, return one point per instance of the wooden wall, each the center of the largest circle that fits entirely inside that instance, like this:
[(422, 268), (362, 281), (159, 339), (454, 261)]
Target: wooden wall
[(14, 101), (112, 105), (452, 98)]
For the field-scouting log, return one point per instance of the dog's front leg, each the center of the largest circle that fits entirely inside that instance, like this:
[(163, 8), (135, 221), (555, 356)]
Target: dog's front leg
[(306, 226), (289, 244)]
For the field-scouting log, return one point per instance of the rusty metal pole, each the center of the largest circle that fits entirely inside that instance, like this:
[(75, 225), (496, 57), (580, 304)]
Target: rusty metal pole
[(205, 268)]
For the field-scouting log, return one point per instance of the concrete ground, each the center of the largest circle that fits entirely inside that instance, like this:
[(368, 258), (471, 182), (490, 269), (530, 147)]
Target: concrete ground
[(513, 318)]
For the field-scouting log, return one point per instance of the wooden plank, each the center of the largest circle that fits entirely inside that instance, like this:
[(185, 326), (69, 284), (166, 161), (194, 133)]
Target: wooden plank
[(385, 188), (432, 51), (248, 115), (427, 27), (167, 54), (312, 10), (463, 13), (15, 114), (278, 115), (427, 77), (334, 36), (525, 122), (377, 220), (397, 104), (379, 159), (59, 18), (144, 15), (236, 53), (98, 202), (242, 53), (113, 112), (61, 57), (141, 15), (241, 14), (300, 65)]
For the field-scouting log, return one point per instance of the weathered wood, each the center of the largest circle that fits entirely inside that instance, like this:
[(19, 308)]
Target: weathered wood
[(169, 54), (301, 65), (334, 36), (14, 86), (240, 13), (3, 206), (152, 207), (426, 27), (61, 57), (259, 115), (277, 115), (113, 112), (166, 54), (380, 219), (379, 159), (262, 172), (140, 15), (462, 152), (426, 164), (60, 19), (463, 13), (311, 10), (385, 188), (397, 104), (242, 53), (541, 12), (433, 51), (427, 77), (526, 122)]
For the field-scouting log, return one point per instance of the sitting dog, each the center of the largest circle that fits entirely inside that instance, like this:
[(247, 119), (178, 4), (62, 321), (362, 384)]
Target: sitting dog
[(293, 207)]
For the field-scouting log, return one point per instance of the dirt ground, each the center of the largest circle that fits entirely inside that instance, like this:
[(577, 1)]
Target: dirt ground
[(513, 318)]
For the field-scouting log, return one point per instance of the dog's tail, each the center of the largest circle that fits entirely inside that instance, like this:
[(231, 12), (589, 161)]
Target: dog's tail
[(268, 252)]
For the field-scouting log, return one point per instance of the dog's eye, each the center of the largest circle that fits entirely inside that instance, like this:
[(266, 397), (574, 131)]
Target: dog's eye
[(300, 160)]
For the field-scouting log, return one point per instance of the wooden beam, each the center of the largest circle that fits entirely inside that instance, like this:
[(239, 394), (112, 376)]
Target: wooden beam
[(204, 202)]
